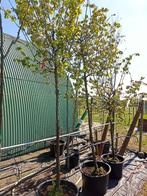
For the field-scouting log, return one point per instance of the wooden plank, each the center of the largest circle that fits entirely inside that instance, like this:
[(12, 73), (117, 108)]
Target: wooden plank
[(141, 128), (104, 135), (131, 129)]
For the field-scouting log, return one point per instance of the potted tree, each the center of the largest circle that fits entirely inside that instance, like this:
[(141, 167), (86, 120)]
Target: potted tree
[(94, 33), (110, 88), (51, 27)]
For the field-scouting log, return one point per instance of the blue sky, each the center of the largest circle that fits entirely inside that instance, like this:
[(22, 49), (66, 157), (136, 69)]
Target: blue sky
[(132, 14)]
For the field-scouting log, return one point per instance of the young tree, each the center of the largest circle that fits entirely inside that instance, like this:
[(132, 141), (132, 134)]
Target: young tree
[(51, 26), (89, 50), (110, 86)]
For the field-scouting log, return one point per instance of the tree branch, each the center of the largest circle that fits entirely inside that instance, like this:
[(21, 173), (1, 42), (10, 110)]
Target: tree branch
[(13, 42)]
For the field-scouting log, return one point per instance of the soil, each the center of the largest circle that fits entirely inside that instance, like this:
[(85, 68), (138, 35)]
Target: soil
[(50, 190), (113, 160), (93, 172)]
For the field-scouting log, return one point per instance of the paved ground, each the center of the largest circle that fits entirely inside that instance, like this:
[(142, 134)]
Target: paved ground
[(134, 174)]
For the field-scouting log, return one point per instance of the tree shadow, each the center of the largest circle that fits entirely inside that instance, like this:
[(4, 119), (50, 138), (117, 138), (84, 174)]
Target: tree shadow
[(112, 183), (45, 157)]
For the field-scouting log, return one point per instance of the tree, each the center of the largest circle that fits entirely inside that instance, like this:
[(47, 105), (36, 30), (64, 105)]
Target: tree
[(89, 50), (51, 26), (110, 85)]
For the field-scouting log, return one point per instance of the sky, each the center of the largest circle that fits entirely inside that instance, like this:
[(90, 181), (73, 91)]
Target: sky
[(132, 14)]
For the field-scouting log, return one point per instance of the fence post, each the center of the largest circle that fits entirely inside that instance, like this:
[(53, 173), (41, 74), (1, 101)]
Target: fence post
[(141, 127)]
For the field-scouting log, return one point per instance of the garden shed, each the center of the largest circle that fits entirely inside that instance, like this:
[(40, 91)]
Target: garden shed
[(29, 104)]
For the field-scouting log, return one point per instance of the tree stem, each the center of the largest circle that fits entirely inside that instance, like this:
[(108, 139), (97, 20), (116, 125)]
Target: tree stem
[(89, 121), (67, 127), (57, 129)]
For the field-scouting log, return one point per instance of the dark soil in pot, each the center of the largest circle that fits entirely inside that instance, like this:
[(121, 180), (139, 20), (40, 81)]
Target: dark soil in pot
[(116, 165), (53, 148), (92, 183), (47, 188), (73, 158)]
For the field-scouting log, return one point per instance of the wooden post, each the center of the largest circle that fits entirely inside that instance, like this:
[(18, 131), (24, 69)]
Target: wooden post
[(96, 139), (131, 129), (141, 127), (104, 135)]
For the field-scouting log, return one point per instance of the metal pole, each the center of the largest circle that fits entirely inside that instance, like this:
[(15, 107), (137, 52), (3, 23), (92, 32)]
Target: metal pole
[(50, 138)]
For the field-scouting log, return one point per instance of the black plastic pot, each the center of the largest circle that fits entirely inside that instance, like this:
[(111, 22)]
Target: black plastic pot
[(73, 158), (94, 185), (43, 187), (105, 148), (53, 148), (116, 168)]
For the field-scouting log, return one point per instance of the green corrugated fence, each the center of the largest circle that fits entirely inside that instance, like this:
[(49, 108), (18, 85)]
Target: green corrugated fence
[(29, 104)]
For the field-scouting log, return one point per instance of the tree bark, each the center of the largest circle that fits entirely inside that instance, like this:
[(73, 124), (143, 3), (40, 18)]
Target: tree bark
[(57, 128), (104, 135), (89, 120), (67, 127), (112, 132)]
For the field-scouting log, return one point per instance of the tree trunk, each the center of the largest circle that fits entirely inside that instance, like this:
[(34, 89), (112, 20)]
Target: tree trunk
[(104, 135), (112, 120), (89, 120), (75, 110), (1, 74), (112, 132), (67, 127), (57, 128)]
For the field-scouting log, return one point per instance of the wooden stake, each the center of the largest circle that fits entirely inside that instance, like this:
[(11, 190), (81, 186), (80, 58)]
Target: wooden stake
[(131, 129), (141, 128)]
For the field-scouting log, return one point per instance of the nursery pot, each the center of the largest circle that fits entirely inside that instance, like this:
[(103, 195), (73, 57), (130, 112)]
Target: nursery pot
[(105, 148), (68, 188), (116, 167), (94, 185), (53, 148), (73, 158)]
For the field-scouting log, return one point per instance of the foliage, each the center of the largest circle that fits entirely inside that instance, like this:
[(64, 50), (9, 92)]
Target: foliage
[(51, 26), (86, 46), (110, 85), (93, 53)]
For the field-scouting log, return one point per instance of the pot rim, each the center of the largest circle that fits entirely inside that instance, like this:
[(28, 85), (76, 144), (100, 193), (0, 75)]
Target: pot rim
[(108, 172), (110, 161), (52, 180)]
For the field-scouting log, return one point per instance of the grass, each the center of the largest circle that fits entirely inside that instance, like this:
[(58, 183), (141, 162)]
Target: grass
[(121, 128)]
